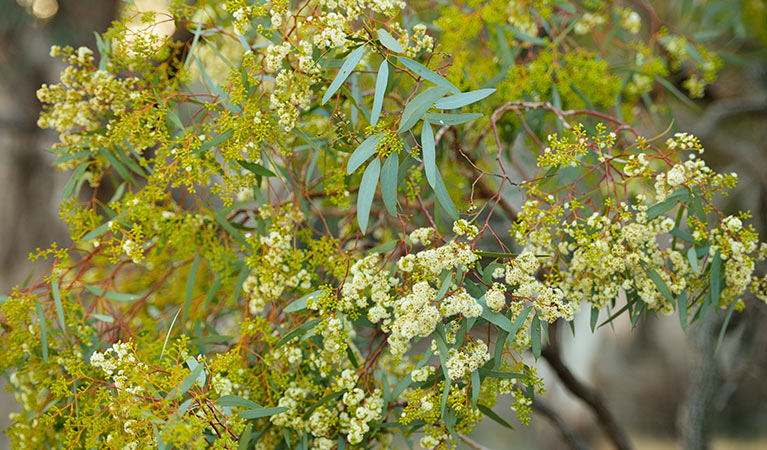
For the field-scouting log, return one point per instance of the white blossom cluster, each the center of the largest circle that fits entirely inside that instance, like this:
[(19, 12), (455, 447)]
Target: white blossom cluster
[(465, 361), (631, 21), (275, 273), (587, 22), (114, 362)]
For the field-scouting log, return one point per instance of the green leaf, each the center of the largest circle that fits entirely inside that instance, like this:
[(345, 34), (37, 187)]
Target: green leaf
[(680, 195), (74, 179), (535, 336), (57, 301), (429, 153), (417, 107), (692, 256), (103, 317), (361, 154), (527, 38), (520, 321), (188, 382), (594, 318), (388, 41), (503, 375), (297, 332), (257, 169), (367, 192), (380, 93), (96, 232), (439, 337), (261, 412), (716, 278), (427, 74), (495, 417), (300, 304), (190, 282), (493, 317), (463, 99), (116, 296), (389, 183), (451, 119), (115, 163), (682, 308), (216, 140), (233, 400), (322, 401), (43, 332), (443, 197), (346, 69), (658, 281), (220, 217), (727, 318), (244, 438)]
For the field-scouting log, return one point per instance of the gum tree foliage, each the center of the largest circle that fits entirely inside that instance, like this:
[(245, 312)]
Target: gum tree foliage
[(323, 224)]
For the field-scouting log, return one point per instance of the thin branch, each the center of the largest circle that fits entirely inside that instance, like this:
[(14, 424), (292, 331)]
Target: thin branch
[(473, 444)]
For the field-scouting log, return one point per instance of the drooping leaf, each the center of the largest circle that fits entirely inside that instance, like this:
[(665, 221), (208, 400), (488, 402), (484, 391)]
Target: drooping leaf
[(388, 41), (658, 281), (346, 69), (233, 400), (43, 332), (300, 304), (57, 301), (535, 336), (257, 169), (261, 412), (451, 119), (389, 183), (417, 107), (429, 153), (378, 98), (443, 197), (188, 382), (463, 99), (682, 309), (367, 192), (361, 154), (692, 256), (427, 74), (716, 278), (302, 329)]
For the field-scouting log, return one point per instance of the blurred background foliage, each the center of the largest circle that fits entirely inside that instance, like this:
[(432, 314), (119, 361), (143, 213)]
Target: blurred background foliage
[(642, 375)]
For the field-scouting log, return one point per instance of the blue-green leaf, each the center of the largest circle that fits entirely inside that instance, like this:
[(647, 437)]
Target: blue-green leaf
[(43, 332), (116, 296), (300, 304), (692, 256), (220, 217), (257, 169), (493, 317), (682, 308), (188, 382), (429, 153), (463, 99), (261, 412), (535, 336), (305, 327), (388, 41), (57, 301), (361, 154), (381, 80), (716, 278), (244, 438), (346, 69), (658, 281), (427, 74), (417, 107), (443, 197), (389, 183), (451, 119), (367, 192), (233, 400), (727, 318)]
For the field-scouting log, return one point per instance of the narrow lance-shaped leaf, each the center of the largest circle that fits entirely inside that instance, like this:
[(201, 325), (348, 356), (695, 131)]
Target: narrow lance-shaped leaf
[(429, 153), (43, 332), (381, 80), (389, 183), (388, 41), (361, 154), (463, 99), (261, 412), (346, 69), (257, 169), (427, 74), (57, 301), (367, 192), (535, 336), (417, 107), (443, 197), (451, 119)]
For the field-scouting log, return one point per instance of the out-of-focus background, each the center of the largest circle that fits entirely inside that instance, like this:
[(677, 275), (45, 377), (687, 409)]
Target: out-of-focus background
[(665, 387)]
